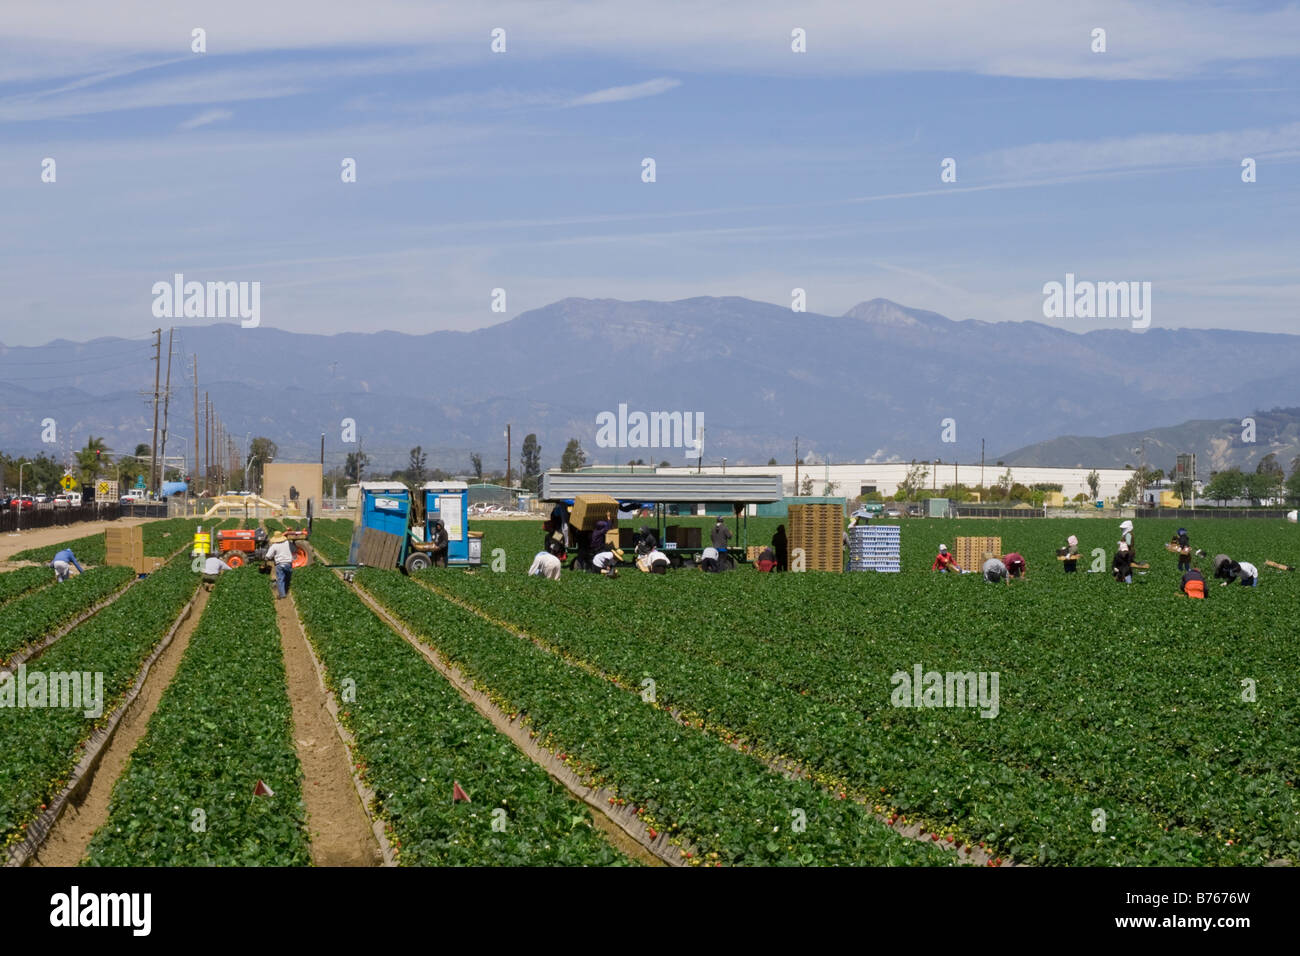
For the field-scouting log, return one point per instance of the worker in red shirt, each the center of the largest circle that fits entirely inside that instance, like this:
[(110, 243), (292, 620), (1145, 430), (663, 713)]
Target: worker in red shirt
[(1015, 563), (943, 561)]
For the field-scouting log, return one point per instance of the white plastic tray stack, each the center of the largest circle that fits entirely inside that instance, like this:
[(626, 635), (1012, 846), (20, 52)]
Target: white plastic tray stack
[(875, 547)]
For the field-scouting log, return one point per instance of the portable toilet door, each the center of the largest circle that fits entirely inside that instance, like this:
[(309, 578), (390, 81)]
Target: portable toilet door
[(449, 500)]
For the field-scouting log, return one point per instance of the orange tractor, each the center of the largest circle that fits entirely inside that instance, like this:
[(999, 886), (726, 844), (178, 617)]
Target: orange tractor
[(238, 547)]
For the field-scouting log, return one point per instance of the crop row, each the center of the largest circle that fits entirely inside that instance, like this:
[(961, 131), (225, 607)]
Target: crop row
[(224, 723), (40, 745), (415, 737), (37, 615), (16, 583), (1149, 727), (332, 539), (708, 795)]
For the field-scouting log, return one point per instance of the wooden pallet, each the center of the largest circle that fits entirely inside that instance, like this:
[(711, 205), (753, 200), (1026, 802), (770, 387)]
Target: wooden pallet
[(969, 552), (379, 549)]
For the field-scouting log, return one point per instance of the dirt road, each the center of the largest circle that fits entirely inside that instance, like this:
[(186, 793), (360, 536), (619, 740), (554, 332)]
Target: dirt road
[(11, 544)]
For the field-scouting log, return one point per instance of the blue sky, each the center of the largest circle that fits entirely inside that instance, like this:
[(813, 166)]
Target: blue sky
[(521, 170)]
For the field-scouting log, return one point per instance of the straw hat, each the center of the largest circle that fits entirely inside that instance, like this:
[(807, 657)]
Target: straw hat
[(278, 538), (618, 553)]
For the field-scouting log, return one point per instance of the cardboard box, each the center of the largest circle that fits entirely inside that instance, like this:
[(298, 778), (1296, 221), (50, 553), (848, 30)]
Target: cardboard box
[(588, 509), (123, 547)]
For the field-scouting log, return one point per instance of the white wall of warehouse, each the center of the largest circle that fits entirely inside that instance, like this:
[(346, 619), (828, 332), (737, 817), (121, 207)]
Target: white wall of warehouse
[(849, 479)]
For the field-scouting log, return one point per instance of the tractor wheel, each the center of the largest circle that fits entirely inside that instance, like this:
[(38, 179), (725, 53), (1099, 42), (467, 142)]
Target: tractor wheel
[(301, 557), (417, 561), (236, 559)]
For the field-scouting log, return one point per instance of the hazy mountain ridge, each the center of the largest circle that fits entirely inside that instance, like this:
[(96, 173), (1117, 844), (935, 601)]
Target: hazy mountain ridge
[(881, 377)]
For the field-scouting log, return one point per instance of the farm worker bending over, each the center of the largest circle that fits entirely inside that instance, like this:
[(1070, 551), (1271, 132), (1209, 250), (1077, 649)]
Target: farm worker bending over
[(994, 570), (1126, 535), (720, 534), (63, 564), (1242, 571), (1194, 583), (709, 559), (766, 560), (606, 562), (943, 561), (438, 538), (1121, 566), (546, 564), (213, 567), (1015, 563), (1071, 555), (653, 561), (282, 554)]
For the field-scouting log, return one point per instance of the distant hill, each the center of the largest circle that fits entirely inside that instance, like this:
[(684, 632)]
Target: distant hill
[(877, 382), (1217, 443)]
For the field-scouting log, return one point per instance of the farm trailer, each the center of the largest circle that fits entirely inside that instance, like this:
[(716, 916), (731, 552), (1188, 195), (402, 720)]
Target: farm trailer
[(635, 492), (387, 507)]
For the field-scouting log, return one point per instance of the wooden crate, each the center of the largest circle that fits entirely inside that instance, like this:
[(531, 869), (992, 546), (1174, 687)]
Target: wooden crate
[(124, 547), (969, 552), (588, 509), (819, 530)]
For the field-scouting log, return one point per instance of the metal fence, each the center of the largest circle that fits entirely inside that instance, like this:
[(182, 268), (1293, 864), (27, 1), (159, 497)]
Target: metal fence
[(48, 517), (1183, 513), (979, 511)]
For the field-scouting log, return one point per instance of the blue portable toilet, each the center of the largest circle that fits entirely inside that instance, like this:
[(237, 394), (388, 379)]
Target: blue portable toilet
[(385, 506), (449, 500)]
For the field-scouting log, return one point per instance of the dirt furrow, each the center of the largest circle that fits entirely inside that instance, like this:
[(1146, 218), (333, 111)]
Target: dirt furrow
[(339, 827), (87, 808)]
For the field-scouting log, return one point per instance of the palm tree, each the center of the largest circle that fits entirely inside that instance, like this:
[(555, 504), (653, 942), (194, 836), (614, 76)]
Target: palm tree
[(90, 459)]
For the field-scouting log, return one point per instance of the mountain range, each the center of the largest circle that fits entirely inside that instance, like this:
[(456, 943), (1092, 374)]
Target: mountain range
[(878, 383)]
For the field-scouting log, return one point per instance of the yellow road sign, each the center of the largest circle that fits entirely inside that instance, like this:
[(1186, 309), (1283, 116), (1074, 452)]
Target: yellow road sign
[(101, 489), (68, 483)]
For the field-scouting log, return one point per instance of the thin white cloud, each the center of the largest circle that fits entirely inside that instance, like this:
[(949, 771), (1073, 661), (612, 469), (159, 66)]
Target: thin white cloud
[(1146, 39), (617, 94), (1144, 150), (204, 118)]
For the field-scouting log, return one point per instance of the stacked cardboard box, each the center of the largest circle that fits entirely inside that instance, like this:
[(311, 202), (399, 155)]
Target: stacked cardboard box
[(123, 547), (588, 509), (819, 530), (969, 552)]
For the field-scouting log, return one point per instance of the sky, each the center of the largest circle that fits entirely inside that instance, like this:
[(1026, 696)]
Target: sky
[(522, 170)]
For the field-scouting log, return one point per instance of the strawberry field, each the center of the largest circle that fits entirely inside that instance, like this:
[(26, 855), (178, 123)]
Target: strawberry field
[(730, 719)]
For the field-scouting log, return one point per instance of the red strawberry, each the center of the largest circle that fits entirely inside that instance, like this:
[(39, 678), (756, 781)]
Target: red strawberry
[(653, 834), (949, 837)]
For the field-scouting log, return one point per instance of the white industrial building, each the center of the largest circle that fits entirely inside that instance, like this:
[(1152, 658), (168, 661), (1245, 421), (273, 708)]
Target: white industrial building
[(852, 480)]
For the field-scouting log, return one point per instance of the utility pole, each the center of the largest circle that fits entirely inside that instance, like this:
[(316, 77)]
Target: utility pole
[(981, 465), (322, 456), (194, 475), (153, 455), (796, 464), (167, 400), (207, 440), (508, 462)]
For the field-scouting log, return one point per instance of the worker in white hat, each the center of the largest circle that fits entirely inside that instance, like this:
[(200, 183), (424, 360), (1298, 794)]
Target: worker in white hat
[(1126, 535), (943, 561), (281, 552)]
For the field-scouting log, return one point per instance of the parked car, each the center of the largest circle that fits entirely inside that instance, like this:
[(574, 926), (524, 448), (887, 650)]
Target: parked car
[(133, 495), (892, 513), (22, 503), (68, 499), (914, 512), (4, 501), (41, 499)]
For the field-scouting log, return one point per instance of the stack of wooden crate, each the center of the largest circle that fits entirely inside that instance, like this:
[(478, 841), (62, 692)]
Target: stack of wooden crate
[(124, 548), (819, 530), (969, 552)]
